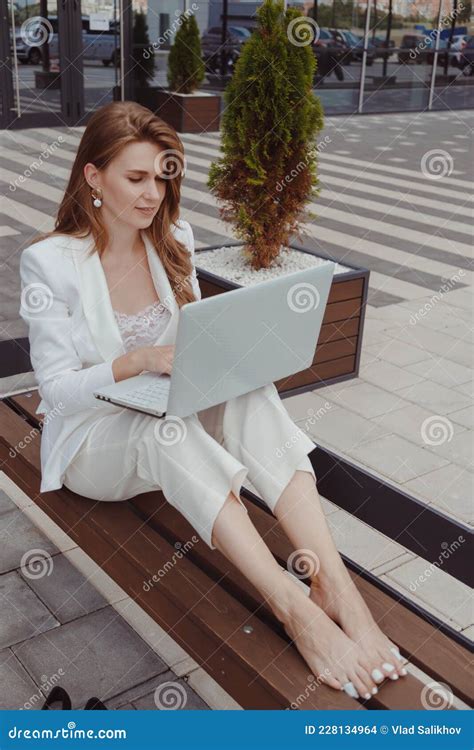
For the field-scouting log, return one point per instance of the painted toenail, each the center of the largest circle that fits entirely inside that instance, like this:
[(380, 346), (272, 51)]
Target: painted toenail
[(367, 696), (377, 675), (397, 653), (375, 690), (388, 667), (394, 676), (404, 671)]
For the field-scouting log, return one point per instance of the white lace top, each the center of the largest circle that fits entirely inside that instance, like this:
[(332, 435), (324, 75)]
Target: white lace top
[(143, 328)]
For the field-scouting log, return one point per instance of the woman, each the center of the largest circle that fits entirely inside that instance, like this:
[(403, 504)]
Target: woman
[(101, 295)]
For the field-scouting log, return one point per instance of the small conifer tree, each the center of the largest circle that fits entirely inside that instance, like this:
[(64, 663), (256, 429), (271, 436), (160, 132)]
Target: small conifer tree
[(144, 68), (271, 119), (186, 68)]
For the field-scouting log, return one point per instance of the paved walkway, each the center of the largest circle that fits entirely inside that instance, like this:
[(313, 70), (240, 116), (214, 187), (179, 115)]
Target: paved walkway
[(408, 417)]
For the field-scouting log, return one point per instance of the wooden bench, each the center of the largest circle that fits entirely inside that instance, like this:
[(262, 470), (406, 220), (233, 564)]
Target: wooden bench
[(207, 606)]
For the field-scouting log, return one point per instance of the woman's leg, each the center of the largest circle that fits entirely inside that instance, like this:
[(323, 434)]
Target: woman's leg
[(330, 654), (300, 514)]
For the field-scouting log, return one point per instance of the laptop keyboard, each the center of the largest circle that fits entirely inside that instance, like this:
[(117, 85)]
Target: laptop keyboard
[(149, 396)]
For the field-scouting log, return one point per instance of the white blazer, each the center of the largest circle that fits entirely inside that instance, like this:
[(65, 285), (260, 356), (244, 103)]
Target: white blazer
[(74, 337)]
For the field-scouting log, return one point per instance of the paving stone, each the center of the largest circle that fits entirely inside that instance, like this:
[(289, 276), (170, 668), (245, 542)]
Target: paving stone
[(360, 542), (408, 423), (464, 416), (344, 430), (438, 398), (5, 503), (16, 686), (434, 342), (458, 449), (306, 405), (145, 689), (99, 653), (173, 693), (398, 353), (367, 399), (441, 370), (66, 592), (397, 458), (437, 589), (23, 615), (450, 489), (19, 536), (469, 632), (388, 376)]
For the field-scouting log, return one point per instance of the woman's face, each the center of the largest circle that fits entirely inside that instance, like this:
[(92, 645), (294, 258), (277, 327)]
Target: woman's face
[(131, 182)]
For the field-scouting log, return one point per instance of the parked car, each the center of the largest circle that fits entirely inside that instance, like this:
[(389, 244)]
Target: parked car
[(355, 45), (457, 45), (411, 42), (97, 45), (211, 45), (382, 49), (466, 62), (330, 55)]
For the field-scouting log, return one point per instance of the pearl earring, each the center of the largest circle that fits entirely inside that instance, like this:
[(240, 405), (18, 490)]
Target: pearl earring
[(97, 202)]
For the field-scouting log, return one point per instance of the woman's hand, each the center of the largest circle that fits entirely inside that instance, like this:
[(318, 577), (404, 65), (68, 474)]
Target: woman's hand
[(153, 358), (157, 358)]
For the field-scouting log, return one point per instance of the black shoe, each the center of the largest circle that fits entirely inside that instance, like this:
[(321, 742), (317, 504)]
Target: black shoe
[(57, 695), (95, 704)]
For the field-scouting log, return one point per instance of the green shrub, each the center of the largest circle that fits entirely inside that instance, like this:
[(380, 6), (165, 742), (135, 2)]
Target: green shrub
[(186, 69)]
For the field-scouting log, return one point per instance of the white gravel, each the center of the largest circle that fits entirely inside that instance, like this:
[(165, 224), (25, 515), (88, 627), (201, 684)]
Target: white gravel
[(231, 264)]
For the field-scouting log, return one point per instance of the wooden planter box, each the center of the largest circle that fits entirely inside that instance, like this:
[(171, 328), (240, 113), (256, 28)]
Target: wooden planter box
[(337, 354), (187, 113)]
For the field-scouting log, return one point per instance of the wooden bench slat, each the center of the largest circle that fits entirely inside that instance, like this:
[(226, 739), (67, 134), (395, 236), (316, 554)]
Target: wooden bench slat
[(406, 694), (418, 640), (258, 669)]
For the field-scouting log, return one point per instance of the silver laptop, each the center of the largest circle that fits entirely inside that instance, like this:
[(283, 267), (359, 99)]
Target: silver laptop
[(233, 343)]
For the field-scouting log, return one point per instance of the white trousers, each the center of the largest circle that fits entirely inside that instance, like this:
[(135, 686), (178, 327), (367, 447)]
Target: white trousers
[(196, 460)]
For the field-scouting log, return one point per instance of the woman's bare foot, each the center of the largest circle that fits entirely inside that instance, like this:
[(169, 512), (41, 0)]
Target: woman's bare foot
[(342, 602), (331, 655)]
